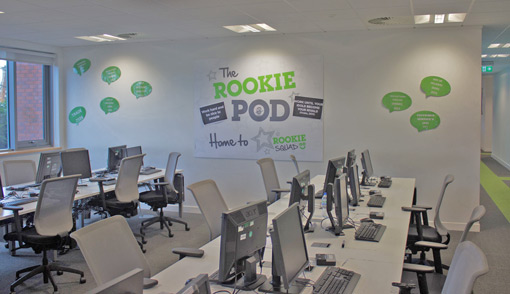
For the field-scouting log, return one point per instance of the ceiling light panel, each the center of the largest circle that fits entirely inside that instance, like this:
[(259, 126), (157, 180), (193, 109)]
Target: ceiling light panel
[(251, 28)]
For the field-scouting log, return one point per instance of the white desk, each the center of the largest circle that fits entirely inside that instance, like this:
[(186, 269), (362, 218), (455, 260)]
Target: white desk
[(379, 263), (92, 189)]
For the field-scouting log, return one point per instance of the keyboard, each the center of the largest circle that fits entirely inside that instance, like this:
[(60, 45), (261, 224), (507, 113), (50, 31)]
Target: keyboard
[(319, 194), (17, 202), (110, 182), (369, 231), (376, 201), (385, 183), (149, 170), (335, 280)]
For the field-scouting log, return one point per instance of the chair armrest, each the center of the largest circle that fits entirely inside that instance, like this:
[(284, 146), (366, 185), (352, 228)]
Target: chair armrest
[(413, 209), (149, 283), (280, 190), (432, 245), (12, 208), (423, 206), (417, 268), (188, 252)]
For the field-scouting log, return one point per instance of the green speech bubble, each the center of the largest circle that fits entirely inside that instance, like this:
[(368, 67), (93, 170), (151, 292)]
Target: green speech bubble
[(77, 115), (109, 105), (110, 74), (397, 101), (81, 66), (435, 86), (425, 120), (141, 89)]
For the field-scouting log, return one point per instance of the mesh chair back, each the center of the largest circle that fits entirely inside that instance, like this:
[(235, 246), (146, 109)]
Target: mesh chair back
[(53, 214), (441, 229), (294, 160), (270, 177), (110, 249), (18, 172), (469, 262), (211, 204), (476, 215), (126, 189), (171, 166)]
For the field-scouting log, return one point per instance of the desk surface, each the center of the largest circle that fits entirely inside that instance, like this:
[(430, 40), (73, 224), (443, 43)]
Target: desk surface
[(91, 189), (379, 263)]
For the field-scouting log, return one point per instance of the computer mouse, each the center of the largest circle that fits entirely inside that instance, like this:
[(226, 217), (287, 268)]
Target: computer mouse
[(366, 220)]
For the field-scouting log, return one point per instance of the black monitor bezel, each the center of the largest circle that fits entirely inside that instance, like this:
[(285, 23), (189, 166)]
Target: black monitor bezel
[(40, 175), (366, 163), (334, 166), (113, 161), (85, 171), (354, 185), (298, 194)]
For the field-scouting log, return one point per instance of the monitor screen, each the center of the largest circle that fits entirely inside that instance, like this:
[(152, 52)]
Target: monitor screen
[(1, 189), (333, 169), (299, 187), (243, 238), (198, 285), (366, 163), (49, 167), (354, 184), (351, 158), (76, 161), (341, 201), (290, 256), (115, 155), (130, 151)]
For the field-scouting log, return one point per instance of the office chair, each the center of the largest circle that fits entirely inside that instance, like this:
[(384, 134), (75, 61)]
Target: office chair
[(18, 172), (476, 215), (125, 200), (164, 194), (294, 160), (52, 223), (111, 250), (420, 229), (212, 205), (270, 178), (469, 262)]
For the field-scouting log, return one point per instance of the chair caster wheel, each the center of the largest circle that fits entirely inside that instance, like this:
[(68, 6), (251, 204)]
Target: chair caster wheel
[(83, 280), (144, 241), (144, 250), (187, 228), (170, 235), (59, 273)]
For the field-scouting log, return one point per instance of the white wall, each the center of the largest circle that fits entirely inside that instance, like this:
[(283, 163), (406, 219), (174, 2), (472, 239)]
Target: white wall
[(487, 107), (501, 123), (359, 69)]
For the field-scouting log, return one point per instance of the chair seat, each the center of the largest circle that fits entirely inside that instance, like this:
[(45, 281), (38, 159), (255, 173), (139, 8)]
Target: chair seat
[(154, 198), (429, 234), (126, 209), (30, 237)]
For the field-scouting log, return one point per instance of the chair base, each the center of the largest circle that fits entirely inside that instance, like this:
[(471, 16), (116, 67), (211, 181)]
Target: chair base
[(164, 221), (46, 270)]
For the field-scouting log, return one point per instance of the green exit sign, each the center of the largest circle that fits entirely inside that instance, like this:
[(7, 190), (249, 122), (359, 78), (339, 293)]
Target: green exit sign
[(487, 68)]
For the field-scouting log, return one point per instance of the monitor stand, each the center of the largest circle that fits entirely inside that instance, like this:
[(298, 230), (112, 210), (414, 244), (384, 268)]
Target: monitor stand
[(251, 280)]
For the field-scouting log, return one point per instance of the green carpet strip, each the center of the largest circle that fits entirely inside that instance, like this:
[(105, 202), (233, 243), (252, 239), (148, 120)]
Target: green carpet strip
[(496, 188)]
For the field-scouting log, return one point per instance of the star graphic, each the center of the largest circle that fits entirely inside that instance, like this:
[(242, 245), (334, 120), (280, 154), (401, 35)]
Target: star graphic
[(263, 139), (267, 151), (211, 75), (291, 96)]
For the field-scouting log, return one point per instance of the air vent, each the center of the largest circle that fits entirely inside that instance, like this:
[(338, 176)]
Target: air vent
[(392, 20), (127, 35)]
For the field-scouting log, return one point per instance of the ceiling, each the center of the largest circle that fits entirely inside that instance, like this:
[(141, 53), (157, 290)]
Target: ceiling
[(58, 22)]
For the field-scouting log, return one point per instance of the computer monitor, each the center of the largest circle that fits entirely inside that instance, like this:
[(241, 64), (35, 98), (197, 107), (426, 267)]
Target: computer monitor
[(341, 201), (243, 239), (299, 187), (351, 158), (290, 256), (76, 161), (1, 190), (198, 285), (130, 151), (50, 166), (354, 185), (333, 169), (368, 170), (115, 155)]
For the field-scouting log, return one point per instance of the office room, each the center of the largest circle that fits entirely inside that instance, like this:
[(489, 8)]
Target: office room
[(179, 47)]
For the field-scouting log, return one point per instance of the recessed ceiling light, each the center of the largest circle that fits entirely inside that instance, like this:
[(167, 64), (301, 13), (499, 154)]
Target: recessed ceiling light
[(503, 55), (507, 45), (484, 55), (421, 19), (494, 45), (493, 56), (101, 38), (254, 28), (456, 17), (439, 18), (1, 12)]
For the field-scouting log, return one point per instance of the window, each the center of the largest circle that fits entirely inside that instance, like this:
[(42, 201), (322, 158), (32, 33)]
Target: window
[(25, 90)]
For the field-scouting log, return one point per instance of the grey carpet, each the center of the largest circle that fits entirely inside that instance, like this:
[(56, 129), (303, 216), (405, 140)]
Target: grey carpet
[(507, 183), (495, 167), (159, 255)]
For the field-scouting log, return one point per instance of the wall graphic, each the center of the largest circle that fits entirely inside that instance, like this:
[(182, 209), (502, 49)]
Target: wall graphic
[(81, 66), (110, 74), (141, 89), (77, 115), (258, 107), (109, 105)]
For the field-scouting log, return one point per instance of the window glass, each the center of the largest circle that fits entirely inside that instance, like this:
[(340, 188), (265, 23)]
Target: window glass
[(29, 101), (4, 109)]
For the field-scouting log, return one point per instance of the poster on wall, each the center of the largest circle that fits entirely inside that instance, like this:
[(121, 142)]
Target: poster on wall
[(263, 106)]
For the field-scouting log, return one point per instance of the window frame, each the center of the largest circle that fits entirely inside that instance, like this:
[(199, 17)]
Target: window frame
[(47, 92)]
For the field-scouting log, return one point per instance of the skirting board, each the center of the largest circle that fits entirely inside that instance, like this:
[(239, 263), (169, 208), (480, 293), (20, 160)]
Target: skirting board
[(500, 161)]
